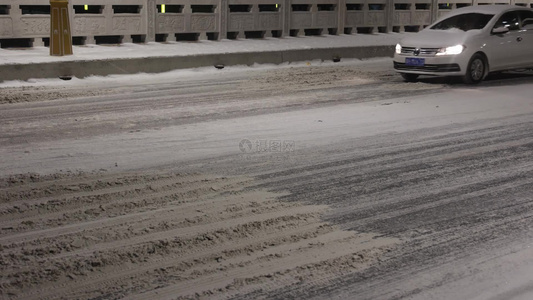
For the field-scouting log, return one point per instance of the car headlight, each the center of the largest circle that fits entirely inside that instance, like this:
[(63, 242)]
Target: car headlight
[(398, 49), (453, 50)]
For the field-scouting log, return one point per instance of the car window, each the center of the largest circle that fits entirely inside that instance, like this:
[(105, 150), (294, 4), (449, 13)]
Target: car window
[(509, 20), (464, 22), (526, 18)]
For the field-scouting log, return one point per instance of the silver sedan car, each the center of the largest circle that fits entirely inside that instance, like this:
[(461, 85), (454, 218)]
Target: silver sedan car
[(469, 42)]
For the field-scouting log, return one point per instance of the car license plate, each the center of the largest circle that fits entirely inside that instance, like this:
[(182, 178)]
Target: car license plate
[(415, 62)]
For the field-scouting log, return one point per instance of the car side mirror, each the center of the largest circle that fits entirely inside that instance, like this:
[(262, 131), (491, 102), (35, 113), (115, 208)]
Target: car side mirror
[(500, 30)]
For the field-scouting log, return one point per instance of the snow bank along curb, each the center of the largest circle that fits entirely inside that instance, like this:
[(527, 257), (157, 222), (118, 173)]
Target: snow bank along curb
[(84, 68)]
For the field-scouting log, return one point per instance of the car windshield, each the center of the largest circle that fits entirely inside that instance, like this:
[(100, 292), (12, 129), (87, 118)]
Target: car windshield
[(464, 22)]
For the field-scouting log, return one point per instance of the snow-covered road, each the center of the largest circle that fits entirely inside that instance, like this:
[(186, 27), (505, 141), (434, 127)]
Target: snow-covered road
[(363, 186)]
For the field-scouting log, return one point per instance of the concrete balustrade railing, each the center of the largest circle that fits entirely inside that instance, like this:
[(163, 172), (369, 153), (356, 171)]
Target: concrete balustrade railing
[(367, 16), (22, 19), (122, 21), (415, 14), (258, 19), (181, 17)]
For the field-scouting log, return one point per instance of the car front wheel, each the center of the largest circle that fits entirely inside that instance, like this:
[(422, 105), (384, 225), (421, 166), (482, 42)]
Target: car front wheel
[(409, 77), (475, 70)]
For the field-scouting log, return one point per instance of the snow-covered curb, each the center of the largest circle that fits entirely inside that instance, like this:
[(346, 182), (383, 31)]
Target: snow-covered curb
[(157, 64), (124, 51)]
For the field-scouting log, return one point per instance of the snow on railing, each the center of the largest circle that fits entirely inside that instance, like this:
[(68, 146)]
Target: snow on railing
[(121, 21)]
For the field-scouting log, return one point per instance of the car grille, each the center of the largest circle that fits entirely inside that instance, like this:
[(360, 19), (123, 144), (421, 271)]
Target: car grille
[(428, 68), (423, 51)]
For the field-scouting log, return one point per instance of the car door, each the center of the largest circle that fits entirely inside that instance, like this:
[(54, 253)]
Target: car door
[(504, 50), (526, 30)]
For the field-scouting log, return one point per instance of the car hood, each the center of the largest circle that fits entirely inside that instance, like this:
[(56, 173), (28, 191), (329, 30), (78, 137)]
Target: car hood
[(430, 38)]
